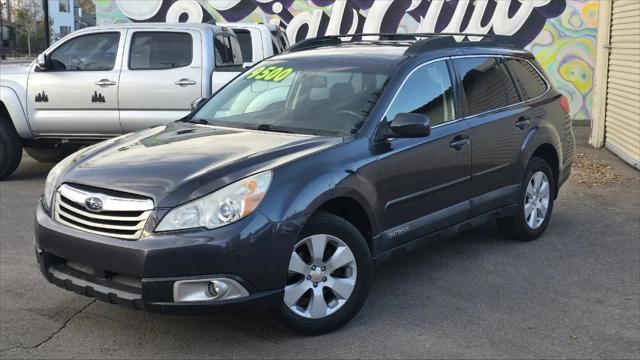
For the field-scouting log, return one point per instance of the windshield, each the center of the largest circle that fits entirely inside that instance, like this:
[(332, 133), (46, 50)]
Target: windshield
[(328, 98)]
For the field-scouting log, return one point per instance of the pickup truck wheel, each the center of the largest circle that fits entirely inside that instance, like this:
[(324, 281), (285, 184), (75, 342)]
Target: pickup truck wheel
[(51, 154), (329, 276), (10, 148), (535, 203)]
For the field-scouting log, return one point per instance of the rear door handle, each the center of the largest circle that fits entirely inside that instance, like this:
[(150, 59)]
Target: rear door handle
[(105, 83), (459, 142), (185, 82), (523, 122)]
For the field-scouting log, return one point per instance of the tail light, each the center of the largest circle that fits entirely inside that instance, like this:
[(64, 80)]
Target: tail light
[(564, 103)]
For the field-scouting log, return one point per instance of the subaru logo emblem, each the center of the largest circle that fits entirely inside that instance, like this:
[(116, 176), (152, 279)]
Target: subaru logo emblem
[(93, 203)]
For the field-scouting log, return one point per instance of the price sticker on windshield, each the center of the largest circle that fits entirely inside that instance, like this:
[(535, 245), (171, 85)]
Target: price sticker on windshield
[(271, 73)]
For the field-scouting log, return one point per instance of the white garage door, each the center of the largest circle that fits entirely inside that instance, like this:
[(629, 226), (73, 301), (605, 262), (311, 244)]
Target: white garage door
[(622, 119)]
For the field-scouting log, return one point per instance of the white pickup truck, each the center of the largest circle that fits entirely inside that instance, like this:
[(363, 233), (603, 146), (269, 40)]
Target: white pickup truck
[(104, 81)]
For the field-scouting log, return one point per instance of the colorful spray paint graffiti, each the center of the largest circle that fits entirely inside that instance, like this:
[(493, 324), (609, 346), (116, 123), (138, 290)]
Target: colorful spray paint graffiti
[(560, 33)]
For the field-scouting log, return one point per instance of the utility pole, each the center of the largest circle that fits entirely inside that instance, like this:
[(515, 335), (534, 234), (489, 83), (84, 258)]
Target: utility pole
[(47, 36)]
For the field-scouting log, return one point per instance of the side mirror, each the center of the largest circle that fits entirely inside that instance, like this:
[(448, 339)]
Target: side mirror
[(410, 125), (41, 62), (195, 103)]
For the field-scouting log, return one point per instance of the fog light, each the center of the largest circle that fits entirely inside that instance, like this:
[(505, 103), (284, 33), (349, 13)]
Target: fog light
[(208, 290), (218, 289)]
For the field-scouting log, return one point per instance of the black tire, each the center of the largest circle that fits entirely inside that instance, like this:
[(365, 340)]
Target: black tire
[(51, 154), (516, 227), (326, 223), (10, 148)]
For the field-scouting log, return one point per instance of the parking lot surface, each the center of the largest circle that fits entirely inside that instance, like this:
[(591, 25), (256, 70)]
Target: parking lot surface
[(574, 293)]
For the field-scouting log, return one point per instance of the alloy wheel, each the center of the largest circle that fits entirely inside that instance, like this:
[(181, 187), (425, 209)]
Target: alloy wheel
[(321, 278), (536, 201)]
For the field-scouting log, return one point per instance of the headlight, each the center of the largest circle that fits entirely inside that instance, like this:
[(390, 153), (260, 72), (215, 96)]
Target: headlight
[(222, 207), (54, 174), (59, 169)]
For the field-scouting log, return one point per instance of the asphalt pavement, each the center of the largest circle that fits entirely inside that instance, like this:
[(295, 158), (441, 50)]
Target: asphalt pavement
[(574, 293)]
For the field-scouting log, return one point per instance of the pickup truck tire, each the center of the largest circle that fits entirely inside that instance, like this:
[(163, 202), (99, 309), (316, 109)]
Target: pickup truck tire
[(535, 203), (10, 148), (51, 154)]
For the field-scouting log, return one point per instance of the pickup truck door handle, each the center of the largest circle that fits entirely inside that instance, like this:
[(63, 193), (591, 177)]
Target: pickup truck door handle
[(523, 122), (459, 142), (185, 82), (105, 83)]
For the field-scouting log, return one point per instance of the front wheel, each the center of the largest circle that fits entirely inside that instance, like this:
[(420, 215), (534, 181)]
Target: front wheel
[(10, 148), (535, 203), (49, 154), (328, 278)]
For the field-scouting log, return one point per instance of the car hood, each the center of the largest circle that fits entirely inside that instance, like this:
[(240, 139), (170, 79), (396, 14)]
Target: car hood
[(14, 75), (175, 163)]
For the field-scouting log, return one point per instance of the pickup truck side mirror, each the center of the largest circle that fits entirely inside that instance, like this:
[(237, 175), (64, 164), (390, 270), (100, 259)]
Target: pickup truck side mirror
[(410, 125), (195, 103), (41, 62)]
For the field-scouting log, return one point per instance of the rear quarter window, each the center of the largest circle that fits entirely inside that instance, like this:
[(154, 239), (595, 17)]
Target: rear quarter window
[(529, 81)]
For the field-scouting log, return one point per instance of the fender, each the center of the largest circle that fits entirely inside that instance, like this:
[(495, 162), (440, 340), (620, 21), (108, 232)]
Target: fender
[(537, 136), (16, 111), (319, 181)]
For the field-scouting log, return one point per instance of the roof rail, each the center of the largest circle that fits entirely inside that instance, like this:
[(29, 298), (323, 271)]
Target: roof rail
[(423, 41), (448, 41)]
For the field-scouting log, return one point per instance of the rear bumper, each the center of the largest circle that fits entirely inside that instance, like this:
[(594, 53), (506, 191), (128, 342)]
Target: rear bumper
[(141, 274)]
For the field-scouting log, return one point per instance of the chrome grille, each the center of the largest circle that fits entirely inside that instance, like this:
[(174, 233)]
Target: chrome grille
[(119, 217)]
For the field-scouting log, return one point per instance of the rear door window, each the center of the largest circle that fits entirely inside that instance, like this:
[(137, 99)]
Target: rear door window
[(486, 83), (529, 81), (160, 50)]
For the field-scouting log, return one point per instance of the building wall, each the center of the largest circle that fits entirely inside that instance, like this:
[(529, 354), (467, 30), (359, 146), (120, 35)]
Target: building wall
[(60, 18), (560, 33)]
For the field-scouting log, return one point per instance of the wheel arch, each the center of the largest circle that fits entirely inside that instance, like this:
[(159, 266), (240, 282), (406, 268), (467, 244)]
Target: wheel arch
[(11, 110), (352, 211), (544, 142), (548, 153)]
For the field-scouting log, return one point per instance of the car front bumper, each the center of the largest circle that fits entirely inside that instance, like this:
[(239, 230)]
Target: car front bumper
[(141, 274)]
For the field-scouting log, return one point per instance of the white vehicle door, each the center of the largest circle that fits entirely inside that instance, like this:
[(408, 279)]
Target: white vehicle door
[(161, 75), (78, 93)]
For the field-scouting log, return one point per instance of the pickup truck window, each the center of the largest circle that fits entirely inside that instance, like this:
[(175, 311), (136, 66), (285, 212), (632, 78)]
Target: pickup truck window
[(160, 50), (246, 45), (228, 52), (288, 96), (93, 52)]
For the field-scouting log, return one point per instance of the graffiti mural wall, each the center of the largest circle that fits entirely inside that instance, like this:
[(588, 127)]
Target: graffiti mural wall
[(560, 33)]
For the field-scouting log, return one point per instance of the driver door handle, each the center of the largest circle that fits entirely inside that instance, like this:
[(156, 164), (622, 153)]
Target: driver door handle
[(523, 122), (185, 82), (459, 142), (105, 82)]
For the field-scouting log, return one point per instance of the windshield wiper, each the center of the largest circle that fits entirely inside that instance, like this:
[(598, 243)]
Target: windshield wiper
[(269, 127), (194, 120)]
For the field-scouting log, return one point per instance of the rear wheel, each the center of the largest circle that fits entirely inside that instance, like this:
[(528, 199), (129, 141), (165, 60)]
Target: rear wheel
[(10, 148), (535, 203), (329, 276)]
